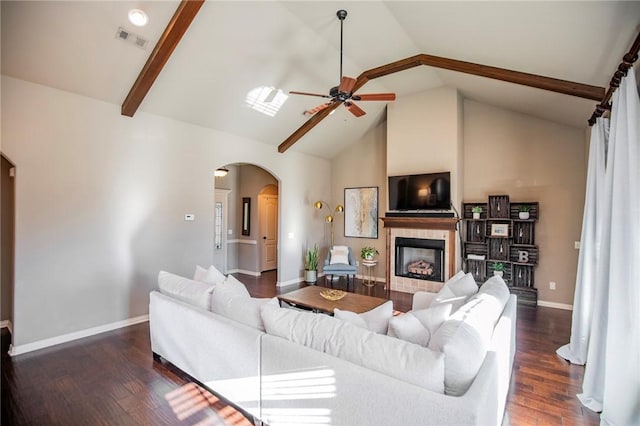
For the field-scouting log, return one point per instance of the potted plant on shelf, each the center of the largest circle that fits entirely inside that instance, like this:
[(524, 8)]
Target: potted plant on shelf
[(311, 264), (476, 210), (523, 211), (498, 268), (367, 253)]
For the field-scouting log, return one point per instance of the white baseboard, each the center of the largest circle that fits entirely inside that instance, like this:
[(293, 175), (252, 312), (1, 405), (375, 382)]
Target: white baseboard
[(555, 305), (45, 343), (376, 279), (290, 282), (244, 271)]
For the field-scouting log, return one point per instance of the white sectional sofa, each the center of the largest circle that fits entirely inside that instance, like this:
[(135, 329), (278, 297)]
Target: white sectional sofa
[(315, 369)]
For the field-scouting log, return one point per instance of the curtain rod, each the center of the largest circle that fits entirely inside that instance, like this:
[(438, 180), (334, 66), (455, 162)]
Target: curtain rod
[(627, 62)]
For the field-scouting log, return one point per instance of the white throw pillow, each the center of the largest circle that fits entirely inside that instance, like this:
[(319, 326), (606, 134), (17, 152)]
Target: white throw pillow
[(234, 285), (193, 292), (465, 286), (418, 326), (446, 297), (230, 303), (214, 276), (402, 360), (455, 278), (199, 273), (376, 320), (407, 327), (464, 351), (432, 318), (456, 291), (495, 294), (465, 338), (339, 255)]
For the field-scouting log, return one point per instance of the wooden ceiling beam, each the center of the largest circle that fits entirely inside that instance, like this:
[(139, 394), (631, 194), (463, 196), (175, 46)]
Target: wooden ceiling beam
[(565, 87), (308, 125), (177, 27)]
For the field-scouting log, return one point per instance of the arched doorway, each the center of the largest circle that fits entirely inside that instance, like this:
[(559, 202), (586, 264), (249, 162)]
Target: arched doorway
[(246, 228)]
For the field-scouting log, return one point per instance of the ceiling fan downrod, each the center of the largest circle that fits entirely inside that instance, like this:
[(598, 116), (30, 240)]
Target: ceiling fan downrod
[(341, 14)]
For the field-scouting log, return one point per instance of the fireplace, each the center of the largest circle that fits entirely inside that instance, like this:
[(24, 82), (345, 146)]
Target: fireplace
[(420, 258), (420, 252)]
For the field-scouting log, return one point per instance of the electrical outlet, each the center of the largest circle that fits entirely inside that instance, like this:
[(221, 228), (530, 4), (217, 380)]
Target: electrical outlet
[(576, 245), (552, 285), (189, 217)]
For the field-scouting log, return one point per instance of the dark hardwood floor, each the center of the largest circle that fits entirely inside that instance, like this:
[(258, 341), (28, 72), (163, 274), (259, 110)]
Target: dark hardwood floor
[(111, 378)]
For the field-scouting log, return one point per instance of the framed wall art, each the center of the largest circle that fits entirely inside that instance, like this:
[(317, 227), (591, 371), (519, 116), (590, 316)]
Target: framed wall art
[(246, 216), (361, 212), (499, 230)]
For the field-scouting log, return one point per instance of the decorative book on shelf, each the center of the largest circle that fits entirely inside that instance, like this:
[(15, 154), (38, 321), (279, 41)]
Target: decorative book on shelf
[(501, 236)]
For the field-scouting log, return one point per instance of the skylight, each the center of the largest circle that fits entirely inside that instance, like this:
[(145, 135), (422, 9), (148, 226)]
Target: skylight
[(267, 100)]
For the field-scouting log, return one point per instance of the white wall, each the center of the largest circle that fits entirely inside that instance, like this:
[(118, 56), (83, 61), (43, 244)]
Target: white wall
[(424, 133), (100, 204)]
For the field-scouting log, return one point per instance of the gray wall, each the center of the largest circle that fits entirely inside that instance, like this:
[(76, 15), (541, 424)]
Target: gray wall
[(101, 200)]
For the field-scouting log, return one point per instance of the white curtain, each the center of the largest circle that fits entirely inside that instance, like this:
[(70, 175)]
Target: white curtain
[(612, 373), (576, 350), (621, 403)]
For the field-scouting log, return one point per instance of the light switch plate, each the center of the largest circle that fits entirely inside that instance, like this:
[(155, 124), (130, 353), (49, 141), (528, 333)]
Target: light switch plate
[(189, 217)]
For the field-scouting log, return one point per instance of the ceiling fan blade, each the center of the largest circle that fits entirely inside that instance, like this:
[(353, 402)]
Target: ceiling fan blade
[(375, 97), (354, 109), (312, 111), (304, 129), (346, 84), (293, 92)]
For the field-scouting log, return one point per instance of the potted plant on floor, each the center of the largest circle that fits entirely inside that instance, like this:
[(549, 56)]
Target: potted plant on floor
[(311, 264), (476, 210), (498, 268), (523, 211), (368, 253)]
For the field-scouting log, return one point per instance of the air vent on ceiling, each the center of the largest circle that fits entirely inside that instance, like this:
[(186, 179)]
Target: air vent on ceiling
[(132, 38)]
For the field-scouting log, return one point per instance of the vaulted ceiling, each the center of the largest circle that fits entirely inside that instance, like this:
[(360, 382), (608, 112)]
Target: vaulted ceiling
[(234, 47)]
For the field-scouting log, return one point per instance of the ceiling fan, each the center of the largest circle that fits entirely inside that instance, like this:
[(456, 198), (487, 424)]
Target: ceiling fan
[(343, 93)]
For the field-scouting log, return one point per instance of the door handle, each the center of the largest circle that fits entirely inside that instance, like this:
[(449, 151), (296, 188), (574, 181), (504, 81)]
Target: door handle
[(264, 238)]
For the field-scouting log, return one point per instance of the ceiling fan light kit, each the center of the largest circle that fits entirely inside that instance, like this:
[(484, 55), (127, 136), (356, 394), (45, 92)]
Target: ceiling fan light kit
[(343, 93)]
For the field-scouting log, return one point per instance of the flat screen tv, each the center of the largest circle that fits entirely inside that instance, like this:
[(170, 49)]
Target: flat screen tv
[(427, 191)]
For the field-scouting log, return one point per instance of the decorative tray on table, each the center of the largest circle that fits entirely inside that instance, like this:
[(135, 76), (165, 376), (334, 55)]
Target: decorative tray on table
[(333, 294)]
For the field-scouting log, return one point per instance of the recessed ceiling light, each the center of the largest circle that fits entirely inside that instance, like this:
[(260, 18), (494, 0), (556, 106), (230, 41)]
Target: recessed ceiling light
[(138, 18)]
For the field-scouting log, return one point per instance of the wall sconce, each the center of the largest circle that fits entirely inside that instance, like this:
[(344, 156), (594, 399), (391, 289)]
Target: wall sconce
[(221, 172), (329, 218)]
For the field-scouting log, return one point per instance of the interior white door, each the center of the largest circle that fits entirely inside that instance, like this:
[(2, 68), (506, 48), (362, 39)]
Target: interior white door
[(220, 230), (268, 208)]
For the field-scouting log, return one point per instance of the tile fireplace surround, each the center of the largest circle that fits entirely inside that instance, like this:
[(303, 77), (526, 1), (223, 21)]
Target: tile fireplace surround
[(419, 227)]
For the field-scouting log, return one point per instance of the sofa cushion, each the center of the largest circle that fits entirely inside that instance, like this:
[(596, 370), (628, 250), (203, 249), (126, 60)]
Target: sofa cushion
[(238, 306), (495, 290), (402, 360), (193, 292), (465, 337), (376, 320), (418, 326)]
